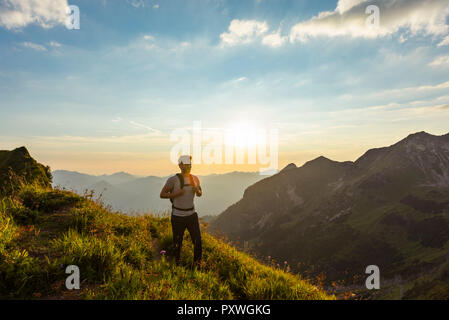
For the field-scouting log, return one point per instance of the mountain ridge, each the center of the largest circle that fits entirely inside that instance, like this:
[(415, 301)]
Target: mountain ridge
[(337, 211)]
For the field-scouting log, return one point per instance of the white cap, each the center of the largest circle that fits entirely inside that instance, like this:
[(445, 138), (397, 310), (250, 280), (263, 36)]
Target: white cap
[(185, 159)]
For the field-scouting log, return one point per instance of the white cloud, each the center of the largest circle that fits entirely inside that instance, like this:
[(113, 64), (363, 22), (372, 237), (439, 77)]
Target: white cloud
[(444, 85), (416, 93), (390, 112), (16, 14), (247, 31), (34, 46), (134, 139), (156, 6), (243, 31), (442, 61), (345, 5), (240, 79), (349, 18), (274, 39), (445, 42), (54, 44), (137, 3), (148, 37)]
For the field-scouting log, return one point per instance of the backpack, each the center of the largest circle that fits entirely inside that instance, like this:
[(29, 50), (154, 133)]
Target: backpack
[(181, 181)]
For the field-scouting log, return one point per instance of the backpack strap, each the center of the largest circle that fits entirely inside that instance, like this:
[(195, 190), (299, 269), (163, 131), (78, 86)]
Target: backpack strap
[(181, 179), (182, 182)]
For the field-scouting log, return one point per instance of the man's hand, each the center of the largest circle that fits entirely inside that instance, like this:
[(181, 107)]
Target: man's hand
[(198, 191), (167, 194), (179, 193)]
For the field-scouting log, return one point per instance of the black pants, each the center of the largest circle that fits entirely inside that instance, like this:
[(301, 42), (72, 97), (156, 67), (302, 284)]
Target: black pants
[(179, 224)]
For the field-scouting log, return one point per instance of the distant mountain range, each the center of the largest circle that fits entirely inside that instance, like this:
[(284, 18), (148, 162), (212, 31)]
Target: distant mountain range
[(389, 208), (129, 193)]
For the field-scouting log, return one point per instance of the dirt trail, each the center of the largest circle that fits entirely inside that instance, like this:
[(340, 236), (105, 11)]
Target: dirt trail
[(35, 240), (36, 237)]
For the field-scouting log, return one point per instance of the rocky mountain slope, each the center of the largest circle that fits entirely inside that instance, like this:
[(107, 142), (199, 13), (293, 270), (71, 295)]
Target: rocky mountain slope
[(388, 208)]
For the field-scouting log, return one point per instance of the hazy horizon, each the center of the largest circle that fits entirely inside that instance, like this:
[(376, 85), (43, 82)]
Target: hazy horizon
[(175, 169), (200, 171), (144, 176)]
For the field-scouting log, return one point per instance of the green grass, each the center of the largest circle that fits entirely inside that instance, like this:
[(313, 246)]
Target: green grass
[(43, 230), (18, 168)]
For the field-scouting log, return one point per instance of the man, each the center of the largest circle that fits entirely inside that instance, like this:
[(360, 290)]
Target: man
[(181, 190)]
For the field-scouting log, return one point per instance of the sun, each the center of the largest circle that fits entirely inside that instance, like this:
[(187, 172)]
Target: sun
[(242, 135)]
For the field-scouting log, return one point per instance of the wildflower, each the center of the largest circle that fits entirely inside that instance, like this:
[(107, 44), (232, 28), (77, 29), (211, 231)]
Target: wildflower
[(269, 257), (285, 262), (162, 252)]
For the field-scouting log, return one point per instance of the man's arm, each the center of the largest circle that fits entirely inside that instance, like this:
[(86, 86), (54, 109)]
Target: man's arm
[(167, 194), (197, 188)]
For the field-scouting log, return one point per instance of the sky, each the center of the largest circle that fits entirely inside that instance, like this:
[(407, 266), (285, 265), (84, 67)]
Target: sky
[(109, 96)]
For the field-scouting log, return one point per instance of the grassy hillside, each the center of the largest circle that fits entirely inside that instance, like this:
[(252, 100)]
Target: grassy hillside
[(17, 167), (120, 257)]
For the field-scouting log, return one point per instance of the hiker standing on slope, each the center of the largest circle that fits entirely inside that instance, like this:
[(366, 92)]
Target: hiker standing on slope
[(181, 190)]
